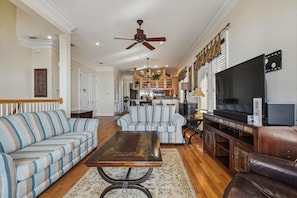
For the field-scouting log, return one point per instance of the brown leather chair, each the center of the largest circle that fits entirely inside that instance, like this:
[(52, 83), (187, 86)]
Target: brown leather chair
[(273, 170)]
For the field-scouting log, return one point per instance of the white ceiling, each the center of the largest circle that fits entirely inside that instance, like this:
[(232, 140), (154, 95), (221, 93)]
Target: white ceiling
[(182, 22)]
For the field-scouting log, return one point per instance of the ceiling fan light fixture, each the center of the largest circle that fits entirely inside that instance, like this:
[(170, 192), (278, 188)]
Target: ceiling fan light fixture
[(140, 37)]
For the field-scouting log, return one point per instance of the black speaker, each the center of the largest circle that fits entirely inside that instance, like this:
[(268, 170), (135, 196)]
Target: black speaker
[(281, 114)]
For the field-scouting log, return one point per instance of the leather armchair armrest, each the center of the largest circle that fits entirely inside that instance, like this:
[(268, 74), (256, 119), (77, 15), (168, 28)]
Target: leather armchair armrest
[(275, 168)]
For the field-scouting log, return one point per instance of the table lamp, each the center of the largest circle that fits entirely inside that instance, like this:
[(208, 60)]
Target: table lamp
[(186, 86), (198, 92)]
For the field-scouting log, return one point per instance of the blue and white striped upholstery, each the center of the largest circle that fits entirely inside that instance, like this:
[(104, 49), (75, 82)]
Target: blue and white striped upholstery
[(7, 175), (15, 133), (162, 119), (39, 147)]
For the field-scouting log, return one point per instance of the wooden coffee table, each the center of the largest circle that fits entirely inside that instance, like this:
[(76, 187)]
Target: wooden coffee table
[(128, 149)]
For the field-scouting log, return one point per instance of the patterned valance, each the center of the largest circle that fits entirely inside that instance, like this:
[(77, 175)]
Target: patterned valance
[(212, 50)]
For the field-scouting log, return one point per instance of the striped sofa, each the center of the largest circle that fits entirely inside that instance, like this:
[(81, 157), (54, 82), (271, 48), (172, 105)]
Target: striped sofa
[(37, 148), (160, 118)]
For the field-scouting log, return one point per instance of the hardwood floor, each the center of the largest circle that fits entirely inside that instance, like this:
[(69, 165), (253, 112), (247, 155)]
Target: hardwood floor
[(208, 178)]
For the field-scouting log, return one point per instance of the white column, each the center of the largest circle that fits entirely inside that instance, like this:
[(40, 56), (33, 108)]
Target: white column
[(65, 76)]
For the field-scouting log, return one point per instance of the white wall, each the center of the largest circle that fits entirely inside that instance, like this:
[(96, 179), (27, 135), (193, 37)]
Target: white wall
[(263, 26), (266, 26)]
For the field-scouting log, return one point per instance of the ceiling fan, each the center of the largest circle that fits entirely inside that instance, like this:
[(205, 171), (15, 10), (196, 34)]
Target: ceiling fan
[(140, 37)]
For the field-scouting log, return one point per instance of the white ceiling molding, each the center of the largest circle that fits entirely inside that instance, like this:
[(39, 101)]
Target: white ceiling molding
[(83, 62), (46, 11), (38, 43), (105, 69)]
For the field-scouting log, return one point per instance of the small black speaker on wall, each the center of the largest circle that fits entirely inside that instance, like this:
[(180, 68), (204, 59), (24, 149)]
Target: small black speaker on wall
[(281, 114)]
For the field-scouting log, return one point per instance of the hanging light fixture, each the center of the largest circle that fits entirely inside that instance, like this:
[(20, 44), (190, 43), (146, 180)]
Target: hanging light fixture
[(147, 75)]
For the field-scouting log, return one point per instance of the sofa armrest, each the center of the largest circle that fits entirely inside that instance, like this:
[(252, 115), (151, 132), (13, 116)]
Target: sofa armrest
[(124, 121), (85, 124), (275, 168), (178, 120), (7, 176)]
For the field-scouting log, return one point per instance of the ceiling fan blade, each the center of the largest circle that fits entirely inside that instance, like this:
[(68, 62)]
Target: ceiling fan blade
[(146, 44), (130, 46), (156, 39), (125, 39)]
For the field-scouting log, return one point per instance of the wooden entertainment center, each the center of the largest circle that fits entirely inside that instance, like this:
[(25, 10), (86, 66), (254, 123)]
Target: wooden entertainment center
[(229, 141)]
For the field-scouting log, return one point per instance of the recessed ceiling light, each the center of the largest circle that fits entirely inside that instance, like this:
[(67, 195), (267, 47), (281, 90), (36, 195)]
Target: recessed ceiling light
[(156, 66), (166, 65), (161, 42), (97, 43), (49, 37)]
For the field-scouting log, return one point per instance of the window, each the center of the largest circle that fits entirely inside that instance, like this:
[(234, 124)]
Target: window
[(206, 75)]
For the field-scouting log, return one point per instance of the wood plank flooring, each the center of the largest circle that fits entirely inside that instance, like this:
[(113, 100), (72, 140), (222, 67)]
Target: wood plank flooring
[(208, 178)]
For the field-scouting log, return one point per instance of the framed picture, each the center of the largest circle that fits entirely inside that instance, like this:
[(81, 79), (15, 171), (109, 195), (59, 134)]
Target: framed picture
[(40, 82)]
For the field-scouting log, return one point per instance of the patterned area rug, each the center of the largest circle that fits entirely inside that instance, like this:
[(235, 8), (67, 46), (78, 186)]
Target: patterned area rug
[(170, 180)]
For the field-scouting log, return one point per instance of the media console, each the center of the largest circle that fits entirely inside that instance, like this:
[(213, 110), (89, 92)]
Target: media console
[(242, 117), (229, 141)]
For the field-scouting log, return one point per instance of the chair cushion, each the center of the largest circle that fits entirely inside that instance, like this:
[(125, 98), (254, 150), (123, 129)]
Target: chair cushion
[(156, 126), (155, 113)]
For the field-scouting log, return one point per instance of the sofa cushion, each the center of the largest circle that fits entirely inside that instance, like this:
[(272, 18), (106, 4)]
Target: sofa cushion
[(46, 124), (32, 159), (162, 113), (76, 138), (15, 133)]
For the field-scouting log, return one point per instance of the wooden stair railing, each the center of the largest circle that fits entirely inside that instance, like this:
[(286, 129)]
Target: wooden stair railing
[(9, 107)]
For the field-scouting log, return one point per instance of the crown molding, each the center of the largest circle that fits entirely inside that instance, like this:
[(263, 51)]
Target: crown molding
[(38, 43), (47, 11)]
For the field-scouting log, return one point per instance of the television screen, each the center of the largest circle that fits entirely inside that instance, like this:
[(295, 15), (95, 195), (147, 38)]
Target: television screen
[(238, 85)]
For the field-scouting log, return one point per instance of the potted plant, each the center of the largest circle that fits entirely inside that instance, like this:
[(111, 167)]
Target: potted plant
[(156, 76)]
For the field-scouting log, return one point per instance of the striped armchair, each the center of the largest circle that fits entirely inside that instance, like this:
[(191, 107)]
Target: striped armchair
[(37, 148), (162, 119)]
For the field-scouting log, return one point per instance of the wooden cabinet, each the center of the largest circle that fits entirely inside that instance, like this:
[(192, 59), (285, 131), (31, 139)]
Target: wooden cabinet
[(146, 81), (164, 83), (208, 143), (82, 114), (229, 141)]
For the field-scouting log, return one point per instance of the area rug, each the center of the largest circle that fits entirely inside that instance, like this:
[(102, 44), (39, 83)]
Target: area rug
[(170, 180)]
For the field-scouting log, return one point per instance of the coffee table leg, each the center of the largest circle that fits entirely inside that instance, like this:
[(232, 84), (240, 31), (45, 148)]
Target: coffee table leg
[(125, 183)]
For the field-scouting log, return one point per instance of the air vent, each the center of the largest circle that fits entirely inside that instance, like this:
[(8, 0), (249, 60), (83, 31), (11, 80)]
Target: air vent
[(32, 37)]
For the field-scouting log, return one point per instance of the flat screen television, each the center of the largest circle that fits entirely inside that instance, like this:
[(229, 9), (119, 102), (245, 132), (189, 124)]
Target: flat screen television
[(237, 86)]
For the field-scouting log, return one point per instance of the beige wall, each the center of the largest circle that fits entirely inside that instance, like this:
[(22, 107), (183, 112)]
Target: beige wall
[(15, 60)]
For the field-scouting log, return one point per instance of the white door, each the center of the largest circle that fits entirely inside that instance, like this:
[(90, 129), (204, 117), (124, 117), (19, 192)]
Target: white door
[(94, 100), (84, 91)]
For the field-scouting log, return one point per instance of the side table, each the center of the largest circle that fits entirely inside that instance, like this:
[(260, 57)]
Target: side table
[(82, 114), (193, 124)]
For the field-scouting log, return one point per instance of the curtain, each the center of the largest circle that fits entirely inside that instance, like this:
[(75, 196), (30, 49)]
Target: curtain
[(212, 50)]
